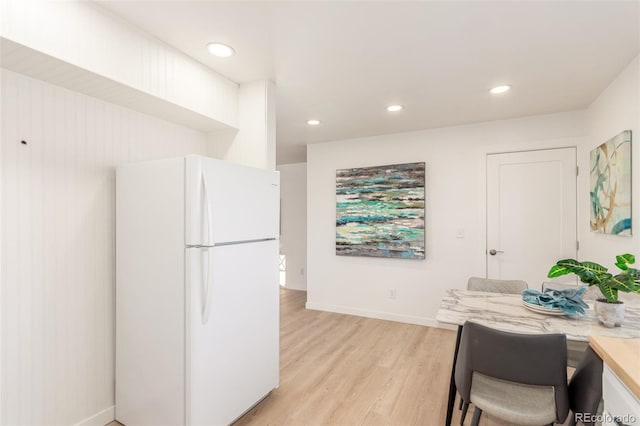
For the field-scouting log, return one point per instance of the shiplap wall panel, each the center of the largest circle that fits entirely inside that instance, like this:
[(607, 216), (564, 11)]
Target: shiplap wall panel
[(94, 39), (58, 231)]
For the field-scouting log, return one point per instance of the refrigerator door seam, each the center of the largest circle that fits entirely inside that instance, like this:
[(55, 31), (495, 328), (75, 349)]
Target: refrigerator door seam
[(231, 243)]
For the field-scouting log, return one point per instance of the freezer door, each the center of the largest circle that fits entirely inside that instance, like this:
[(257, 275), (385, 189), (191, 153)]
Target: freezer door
[(227, 202), (233, 337)]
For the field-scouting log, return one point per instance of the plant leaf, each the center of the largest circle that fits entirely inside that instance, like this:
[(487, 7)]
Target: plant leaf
[(624, 282), (557, 271), (601, 279), (633, 273), (622, 266), (611, 294), (588, 272), (623, 259), (591, 273), (593, 267)]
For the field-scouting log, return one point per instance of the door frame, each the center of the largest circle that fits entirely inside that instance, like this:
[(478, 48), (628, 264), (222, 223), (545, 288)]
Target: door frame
[(573, 142)]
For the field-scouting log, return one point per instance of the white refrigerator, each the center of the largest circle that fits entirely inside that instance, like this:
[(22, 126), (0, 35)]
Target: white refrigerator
[(197, 302)]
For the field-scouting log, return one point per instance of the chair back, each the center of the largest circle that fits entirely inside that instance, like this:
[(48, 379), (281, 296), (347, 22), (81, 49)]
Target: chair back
[(496, 286), (585, 388), (529, 359)]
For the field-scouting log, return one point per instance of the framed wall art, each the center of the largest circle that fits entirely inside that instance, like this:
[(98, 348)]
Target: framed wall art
[(380, 211), (610, 186)]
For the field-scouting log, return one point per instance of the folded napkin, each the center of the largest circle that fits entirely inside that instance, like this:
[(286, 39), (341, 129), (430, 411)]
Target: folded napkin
[(569, 300)]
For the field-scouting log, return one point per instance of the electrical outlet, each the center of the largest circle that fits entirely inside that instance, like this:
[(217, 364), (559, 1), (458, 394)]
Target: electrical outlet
[(392, 293)]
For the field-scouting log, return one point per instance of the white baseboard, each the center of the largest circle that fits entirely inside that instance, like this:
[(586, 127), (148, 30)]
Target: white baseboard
[(389, 316), (294, 286), (102, 418)]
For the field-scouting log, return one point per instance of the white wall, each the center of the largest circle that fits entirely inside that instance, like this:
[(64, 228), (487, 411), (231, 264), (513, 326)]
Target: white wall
[(254, 144), (293, 223), (615, 110), (455, 198), (58, 245), (93, 39), (455, 188)]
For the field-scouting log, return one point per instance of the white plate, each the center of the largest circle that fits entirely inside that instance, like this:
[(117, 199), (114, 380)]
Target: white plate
[(542, 310)]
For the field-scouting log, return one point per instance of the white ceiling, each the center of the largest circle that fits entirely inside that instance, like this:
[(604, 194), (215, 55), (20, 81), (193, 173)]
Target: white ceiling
[(343, 62)]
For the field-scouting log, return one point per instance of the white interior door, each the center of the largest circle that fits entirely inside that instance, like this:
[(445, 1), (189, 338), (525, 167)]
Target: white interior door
[(531, 213)]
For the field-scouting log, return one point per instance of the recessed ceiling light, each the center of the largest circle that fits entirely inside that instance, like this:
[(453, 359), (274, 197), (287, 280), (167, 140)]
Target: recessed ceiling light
[(500, 89), (394, 108), (220, 50), (313, 122)]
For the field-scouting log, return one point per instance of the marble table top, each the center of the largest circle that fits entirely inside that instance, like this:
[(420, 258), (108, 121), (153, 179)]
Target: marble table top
[(505, 312)]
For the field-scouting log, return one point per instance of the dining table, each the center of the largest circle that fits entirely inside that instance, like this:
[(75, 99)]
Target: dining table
[(507, 312)]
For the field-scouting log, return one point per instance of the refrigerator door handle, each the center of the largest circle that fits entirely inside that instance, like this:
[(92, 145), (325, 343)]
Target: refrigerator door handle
[(206, 286), (207, 210)]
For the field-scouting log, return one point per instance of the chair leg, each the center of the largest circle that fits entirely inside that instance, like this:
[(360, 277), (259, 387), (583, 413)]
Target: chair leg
[(465, 407), (476, 417)]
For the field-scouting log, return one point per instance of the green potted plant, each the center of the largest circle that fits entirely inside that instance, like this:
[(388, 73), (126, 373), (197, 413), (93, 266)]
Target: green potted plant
[(609, 310)]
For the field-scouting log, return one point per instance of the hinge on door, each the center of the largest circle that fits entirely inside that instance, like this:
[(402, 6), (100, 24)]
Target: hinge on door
[(577, 170), (577, 245)]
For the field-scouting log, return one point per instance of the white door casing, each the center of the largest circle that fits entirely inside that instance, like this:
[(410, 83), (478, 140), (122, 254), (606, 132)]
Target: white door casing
[(531, 213)]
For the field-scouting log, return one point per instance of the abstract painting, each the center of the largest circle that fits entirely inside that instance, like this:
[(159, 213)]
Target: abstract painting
[(380, 211), (611, 186)]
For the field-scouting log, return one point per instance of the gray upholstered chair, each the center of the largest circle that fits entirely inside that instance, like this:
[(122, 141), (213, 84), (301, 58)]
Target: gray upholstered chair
[(496, 286), (585, 388), (493, 286), (575, 350), (520, 378)]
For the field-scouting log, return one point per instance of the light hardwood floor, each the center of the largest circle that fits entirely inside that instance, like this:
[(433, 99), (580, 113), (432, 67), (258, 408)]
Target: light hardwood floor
[(345, 370)]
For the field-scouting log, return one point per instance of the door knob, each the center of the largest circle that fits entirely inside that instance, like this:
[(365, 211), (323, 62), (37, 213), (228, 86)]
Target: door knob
[(493, 252)]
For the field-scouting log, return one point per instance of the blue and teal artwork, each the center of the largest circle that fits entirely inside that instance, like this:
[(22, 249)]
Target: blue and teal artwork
[(610, 188), (380, 211)]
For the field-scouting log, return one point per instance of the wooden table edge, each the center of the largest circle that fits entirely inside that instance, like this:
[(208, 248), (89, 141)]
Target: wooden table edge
[(600, 345)]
